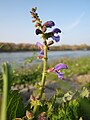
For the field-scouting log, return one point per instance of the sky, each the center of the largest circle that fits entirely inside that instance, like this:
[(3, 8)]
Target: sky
[(71, 16)]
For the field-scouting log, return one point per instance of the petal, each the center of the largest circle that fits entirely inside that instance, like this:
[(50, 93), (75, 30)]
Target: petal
[(60, 66), (60, 75), (49, 24), (56, 38), (39, 45), (56, 30), (42, 52), (38, 32)]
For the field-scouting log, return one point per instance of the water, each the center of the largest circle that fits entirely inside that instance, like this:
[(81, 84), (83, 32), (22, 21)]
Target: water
[(17, 58), (58, 54)]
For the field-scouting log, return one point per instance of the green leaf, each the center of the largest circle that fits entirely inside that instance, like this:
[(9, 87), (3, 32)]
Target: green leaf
[(36, 103), (84, 93), (29, 60), (15, 108), (68, 96)]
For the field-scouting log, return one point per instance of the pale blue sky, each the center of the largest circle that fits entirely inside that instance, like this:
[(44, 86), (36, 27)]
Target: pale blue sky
[(71, 16)]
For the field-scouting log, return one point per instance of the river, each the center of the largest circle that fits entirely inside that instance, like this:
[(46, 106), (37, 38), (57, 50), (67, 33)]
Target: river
[(17, 58)]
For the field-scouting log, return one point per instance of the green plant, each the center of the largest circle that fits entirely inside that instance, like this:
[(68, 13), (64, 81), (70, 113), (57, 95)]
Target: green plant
[(61, 106), (6, 88)]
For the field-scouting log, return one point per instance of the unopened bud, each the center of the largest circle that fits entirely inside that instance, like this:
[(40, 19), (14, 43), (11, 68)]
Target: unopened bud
[(37, 24), (34, 9), (42, 116), (29, 115), (44, 29), (32, 98), (40, 57), (33, 20)]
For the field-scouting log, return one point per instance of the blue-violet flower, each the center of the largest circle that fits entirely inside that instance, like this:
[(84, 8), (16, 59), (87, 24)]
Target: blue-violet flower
[(56, 31), (49, 24), (57, 69)]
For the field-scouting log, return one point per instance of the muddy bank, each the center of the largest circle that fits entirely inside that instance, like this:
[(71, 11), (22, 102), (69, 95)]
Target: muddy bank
[(73, 83)]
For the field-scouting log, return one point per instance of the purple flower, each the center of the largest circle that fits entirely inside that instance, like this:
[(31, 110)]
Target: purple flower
[(41, 47), (56, 31), (57, 69), (38, 32), (60, 75), (56, 38), (42, 52), (49, 24), (60, 66)]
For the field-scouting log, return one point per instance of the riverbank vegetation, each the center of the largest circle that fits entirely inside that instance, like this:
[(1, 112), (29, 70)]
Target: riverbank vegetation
[(72, 99), (12, 47), (32, 74)]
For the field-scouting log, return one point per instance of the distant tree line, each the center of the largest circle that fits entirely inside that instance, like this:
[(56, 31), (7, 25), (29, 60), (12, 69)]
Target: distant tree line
[(13, 47)]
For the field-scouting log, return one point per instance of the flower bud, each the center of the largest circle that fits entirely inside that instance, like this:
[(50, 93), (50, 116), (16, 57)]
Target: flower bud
[(29, 115), (34, 9), (49, 24), (33, 20), (40, 57), (44, 28), (42, 116), (37, 24), (32, 98)]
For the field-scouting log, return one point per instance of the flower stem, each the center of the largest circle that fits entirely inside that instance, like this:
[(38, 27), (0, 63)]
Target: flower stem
[(44, 70), (43, 75)]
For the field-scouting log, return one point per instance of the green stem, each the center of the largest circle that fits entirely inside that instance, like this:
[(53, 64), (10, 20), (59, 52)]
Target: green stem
[(43, 75), (5, 73), (44, 71)]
